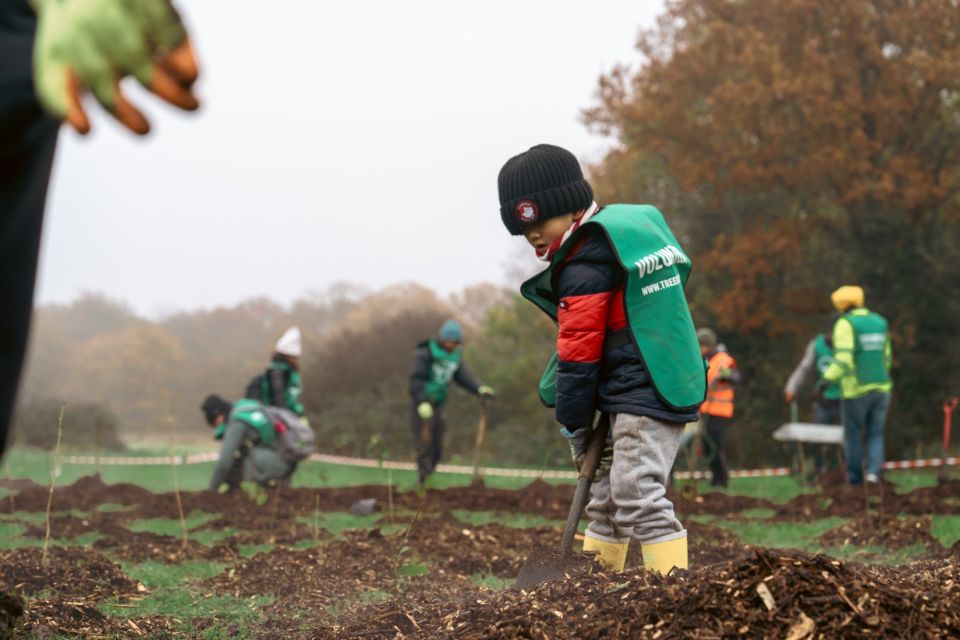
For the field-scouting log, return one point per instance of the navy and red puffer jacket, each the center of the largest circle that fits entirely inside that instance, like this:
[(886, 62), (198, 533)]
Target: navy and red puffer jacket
[(600, 366)]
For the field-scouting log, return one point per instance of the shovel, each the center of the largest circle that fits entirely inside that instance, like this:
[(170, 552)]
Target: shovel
[(545, 563), (425, 451), (481, 436)]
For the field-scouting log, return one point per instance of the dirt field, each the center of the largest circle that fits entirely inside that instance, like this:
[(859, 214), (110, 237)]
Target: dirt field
[(424, 571)]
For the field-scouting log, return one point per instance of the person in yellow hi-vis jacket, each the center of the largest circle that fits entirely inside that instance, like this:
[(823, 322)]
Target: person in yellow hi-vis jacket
[(862, 358)]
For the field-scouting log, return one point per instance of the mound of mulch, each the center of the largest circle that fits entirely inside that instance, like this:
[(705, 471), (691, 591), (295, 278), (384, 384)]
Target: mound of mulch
[(46, 618), (69, 572), (85, 494), (66, 527), (491, 549), (316, 577), (715, 503), (889, 532), (774, 593)]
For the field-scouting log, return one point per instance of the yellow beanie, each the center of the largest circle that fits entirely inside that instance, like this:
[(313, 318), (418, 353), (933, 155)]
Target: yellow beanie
[(846, 297)]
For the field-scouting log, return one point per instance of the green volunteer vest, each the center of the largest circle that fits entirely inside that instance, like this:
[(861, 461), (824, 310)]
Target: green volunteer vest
[(824, 356), (251, 412), (444, 366), (656, 308), (870, 333)]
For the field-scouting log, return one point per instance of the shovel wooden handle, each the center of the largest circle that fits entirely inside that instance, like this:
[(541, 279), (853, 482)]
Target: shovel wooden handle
[(588, 467)]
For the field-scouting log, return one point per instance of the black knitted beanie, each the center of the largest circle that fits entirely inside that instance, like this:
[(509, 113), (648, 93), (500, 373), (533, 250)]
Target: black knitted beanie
[(541, 183)]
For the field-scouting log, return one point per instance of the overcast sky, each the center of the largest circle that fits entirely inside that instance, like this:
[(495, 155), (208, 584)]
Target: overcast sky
[(337, 141)]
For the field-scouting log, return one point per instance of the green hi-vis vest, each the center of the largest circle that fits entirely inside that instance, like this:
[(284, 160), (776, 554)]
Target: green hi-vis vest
[(870, 333), (656, 308), (824, 355), (250, 412), (445, 365)]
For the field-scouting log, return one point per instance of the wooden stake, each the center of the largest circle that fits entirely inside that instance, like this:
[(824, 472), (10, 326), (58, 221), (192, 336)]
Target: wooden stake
[(98, 439), (53, 479), (389, 495), (316, 516), (6, 464), (184, 542)]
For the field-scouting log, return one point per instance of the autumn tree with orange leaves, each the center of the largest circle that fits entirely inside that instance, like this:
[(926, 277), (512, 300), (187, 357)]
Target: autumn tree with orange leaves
[(796, 146)]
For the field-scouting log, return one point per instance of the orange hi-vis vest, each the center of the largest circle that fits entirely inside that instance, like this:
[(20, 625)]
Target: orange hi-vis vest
[(719, 400)]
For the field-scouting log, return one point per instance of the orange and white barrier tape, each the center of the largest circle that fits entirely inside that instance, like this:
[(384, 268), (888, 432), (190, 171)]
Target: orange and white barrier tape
[(917, 464), (211, 456)]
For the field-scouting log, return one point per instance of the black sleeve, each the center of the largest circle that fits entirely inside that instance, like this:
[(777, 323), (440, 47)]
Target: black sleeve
[(276, 384), (419, 374), (20, 113), (465, 379), (28, 139)]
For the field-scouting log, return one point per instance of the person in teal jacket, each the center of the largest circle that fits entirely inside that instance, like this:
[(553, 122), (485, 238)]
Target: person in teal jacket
[(861, 366), (250, 448), (436, 362)]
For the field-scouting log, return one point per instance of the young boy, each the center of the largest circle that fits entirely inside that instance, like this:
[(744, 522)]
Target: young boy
[(626, 344)]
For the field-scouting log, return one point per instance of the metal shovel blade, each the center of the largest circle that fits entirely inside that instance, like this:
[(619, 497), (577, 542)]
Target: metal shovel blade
[(547, 563)]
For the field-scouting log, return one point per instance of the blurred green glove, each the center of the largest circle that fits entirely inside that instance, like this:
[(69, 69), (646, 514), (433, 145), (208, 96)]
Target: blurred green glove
[(93, 44), (255, 492), (484, 390), (425, 410)]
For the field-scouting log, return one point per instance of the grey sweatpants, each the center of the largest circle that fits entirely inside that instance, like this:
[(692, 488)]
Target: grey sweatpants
[(631, 500)]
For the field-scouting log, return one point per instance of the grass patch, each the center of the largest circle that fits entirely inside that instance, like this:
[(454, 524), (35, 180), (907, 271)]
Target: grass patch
[(791, 535), (336, 522), (492, 582), (171, 527), (307, 544), (702, 518), (250, 550), (515, 520), (35, 464), (184, 603), (10, 533), (159, 575), (875, 554), (946, 529), (16, 540), (38, 517), (758, 513), (114, 508), (908, 480)]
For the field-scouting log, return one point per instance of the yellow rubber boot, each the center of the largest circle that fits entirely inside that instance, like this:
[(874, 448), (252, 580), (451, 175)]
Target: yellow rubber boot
[(611, 552), (663, 556)]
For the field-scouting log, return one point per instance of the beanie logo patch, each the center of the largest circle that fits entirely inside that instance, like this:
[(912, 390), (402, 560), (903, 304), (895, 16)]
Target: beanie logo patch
[(527, 211)]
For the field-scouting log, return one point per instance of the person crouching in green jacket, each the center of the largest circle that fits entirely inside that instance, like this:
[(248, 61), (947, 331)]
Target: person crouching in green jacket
[(436, 362), (250, 450)]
